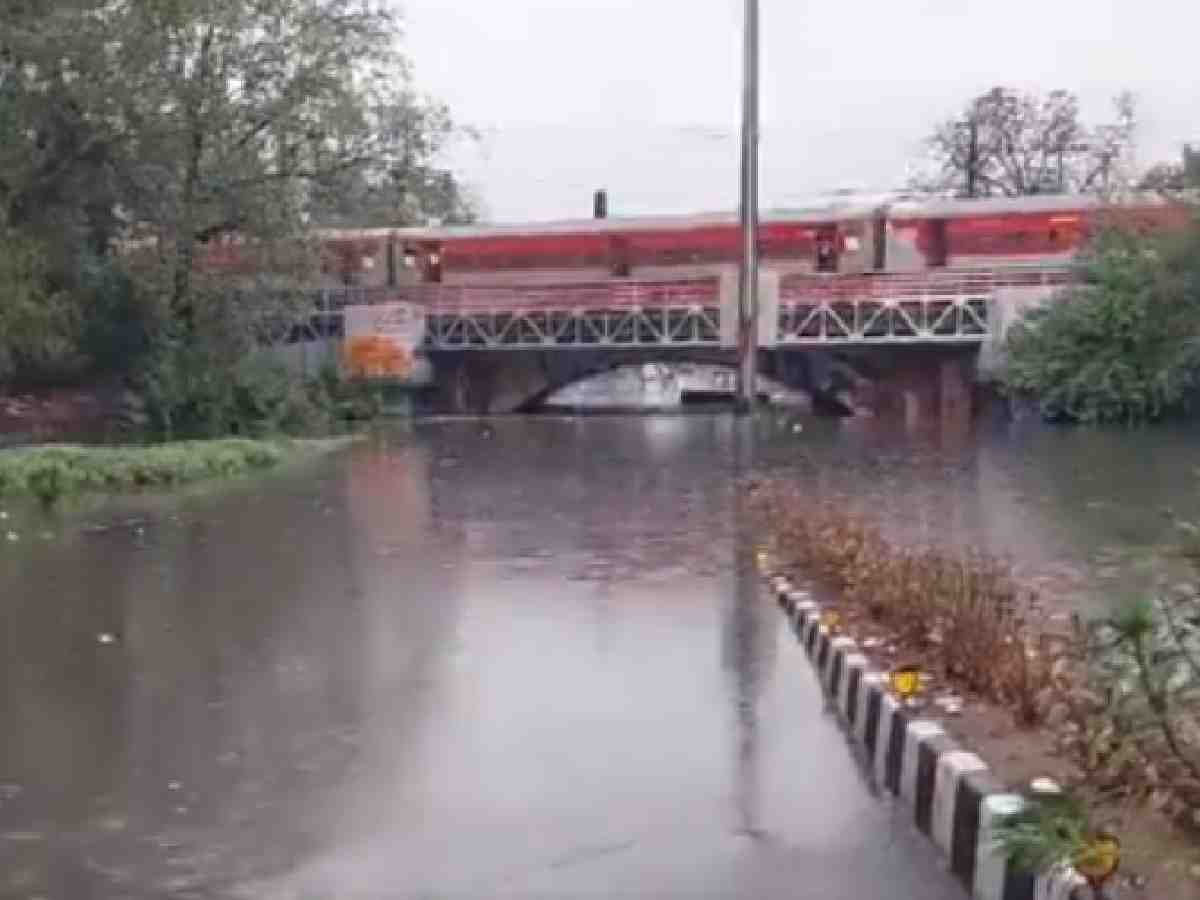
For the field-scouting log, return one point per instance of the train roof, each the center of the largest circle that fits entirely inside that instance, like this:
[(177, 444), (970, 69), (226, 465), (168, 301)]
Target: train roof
[(898, 206), (832, 212), (958, 207)]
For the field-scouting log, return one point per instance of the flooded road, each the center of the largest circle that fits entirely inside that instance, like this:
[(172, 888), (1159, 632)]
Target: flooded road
[(525, 658)]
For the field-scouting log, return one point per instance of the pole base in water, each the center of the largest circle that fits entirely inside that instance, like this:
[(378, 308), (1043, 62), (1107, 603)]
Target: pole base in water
[(744, 406)]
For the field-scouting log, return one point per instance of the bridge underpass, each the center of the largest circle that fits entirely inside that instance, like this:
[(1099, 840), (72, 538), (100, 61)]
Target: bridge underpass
[(877, 342), (915, 382)]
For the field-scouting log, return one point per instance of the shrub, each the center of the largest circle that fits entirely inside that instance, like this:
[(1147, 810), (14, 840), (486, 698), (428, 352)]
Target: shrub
[(1145, 661), (963, 614), (1046, 832), (49, 473), (194, 390), (39, 327), (1121, 347)]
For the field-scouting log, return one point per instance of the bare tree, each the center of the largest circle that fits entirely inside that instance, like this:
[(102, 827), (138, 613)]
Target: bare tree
[(1011, 144), (1174, 178)]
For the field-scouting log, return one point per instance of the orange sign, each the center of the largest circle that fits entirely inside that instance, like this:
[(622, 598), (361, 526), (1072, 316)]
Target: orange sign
[(376, 356), (382, 340)]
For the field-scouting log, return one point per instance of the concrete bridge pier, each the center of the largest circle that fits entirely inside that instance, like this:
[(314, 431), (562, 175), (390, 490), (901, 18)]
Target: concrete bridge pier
[(916, 384), (483, 382)]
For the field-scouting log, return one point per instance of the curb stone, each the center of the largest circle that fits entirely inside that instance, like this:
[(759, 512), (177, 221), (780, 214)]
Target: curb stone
[(953, 797)]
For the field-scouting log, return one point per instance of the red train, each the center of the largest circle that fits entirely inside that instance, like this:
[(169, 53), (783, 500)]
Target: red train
[(848, 238)]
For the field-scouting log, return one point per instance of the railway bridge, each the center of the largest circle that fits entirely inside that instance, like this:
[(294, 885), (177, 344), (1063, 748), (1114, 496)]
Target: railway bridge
[(915, 339)]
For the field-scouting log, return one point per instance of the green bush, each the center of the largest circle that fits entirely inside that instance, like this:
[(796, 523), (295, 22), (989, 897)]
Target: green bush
[(64, 324), (50, 473), (39, 327), (195, 390), (118, 321), (1121, 347)]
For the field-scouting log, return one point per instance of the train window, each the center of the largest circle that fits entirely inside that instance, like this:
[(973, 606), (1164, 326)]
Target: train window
[(827, 249), (433, 268)]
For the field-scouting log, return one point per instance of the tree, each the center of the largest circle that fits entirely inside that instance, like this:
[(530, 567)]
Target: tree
[(183, 121), (1123, 346), (38, 328), (404, 185), (160, 126), (1173, 179), (58, 176), (1010, 144)]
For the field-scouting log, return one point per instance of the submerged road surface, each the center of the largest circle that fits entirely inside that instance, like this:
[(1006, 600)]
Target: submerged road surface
[(523, 659)]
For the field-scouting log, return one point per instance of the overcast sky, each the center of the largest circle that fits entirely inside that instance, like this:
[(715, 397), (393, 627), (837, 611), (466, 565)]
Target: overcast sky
[(641, 96)]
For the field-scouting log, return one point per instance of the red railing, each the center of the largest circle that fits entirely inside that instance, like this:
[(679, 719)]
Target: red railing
[(941, 283), (625, 294), (603, 295), (452, 299)]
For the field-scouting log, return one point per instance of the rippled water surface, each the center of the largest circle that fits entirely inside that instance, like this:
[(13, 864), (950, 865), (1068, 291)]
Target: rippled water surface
[(523, 657)]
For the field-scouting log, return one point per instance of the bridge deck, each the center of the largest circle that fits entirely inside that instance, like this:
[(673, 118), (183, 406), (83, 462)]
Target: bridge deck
[(810, 310)]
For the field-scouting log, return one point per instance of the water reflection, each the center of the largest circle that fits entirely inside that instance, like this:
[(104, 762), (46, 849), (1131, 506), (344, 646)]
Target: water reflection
[(748, 644), (520, 656)]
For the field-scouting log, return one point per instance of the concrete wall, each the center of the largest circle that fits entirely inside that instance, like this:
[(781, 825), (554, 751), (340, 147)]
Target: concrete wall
[(1006, 308)]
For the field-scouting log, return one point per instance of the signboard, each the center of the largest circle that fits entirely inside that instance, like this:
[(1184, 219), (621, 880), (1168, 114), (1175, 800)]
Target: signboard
[(383, 341)]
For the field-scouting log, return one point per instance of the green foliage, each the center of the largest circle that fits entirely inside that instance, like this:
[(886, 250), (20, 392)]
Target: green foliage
[(1121, 347), (50, 473), (354, 400), (1134, 620), (39, 329), (1045, 832), (119, 321), (133, 134), (1146, 659), (193, 389)]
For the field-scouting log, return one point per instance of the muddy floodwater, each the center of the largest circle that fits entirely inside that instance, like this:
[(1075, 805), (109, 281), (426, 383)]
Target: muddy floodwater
[(524, 657)]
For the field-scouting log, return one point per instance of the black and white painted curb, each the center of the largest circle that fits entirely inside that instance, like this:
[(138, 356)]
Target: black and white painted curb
[(953, 797)]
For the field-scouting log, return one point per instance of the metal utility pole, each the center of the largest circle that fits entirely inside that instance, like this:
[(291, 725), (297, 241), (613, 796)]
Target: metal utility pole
[(748, 274), (972, 154)]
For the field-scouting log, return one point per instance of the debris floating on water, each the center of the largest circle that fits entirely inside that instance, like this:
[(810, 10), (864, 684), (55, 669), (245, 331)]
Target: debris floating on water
[(106, 637), (1044, 785), (12, 537)]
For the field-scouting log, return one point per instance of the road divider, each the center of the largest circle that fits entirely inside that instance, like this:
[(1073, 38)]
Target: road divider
[(953, 798)]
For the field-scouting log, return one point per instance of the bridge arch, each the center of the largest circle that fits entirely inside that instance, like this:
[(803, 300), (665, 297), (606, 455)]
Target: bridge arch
[(518, 381)]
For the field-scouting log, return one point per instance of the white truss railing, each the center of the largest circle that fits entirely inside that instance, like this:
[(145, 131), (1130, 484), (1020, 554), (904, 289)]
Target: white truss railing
[(688, 326), (620, 314), (919, 308), (895, 320)]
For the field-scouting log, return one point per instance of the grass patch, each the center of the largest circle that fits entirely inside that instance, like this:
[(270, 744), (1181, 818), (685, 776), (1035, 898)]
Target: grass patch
[(52, 472)]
